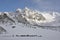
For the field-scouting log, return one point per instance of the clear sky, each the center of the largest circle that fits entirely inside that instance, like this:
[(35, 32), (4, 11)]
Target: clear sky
[(41, 5)]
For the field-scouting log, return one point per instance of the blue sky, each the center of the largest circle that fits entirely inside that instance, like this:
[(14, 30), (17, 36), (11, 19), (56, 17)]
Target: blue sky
[(41, 5)]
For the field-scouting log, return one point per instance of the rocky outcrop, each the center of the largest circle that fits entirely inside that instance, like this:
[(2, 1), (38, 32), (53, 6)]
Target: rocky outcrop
[(5, 18), (2, 30)]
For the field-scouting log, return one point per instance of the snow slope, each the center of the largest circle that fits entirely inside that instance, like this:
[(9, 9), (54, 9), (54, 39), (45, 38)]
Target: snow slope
[(42, 34)]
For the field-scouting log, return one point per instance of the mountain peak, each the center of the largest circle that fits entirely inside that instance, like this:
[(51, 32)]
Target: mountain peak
[(18, 10)]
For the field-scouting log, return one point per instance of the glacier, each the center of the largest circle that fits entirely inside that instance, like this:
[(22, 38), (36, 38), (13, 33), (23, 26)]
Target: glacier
[(29, 23)]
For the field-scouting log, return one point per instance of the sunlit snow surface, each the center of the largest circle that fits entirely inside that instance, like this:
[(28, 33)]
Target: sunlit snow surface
[(27, 28)]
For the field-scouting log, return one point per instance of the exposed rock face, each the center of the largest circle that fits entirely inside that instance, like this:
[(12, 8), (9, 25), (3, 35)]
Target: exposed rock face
[(5, 18), (36, 17), (28, 16), (2, 30), (21, 19)]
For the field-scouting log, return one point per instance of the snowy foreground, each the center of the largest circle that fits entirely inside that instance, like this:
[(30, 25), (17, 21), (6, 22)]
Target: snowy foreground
[(29, 25), (37, 34)]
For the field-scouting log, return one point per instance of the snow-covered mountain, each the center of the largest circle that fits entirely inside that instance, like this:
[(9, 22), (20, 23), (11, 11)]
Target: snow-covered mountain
[(31, 16), (28, 21)]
